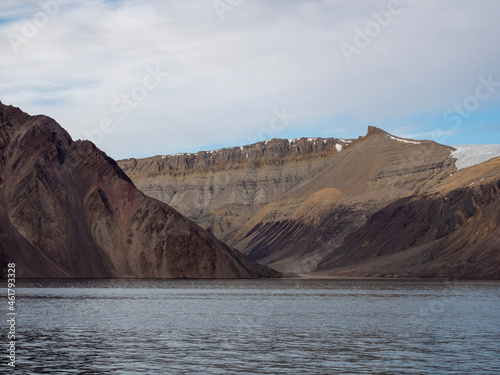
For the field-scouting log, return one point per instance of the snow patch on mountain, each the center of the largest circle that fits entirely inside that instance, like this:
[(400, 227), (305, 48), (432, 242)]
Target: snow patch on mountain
[(405, 140), (470, 155)]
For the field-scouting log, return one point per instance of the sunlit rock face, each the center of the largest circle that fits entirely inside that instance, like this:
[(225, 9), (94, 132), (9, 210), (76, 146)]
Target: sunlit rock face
[(304, 205)]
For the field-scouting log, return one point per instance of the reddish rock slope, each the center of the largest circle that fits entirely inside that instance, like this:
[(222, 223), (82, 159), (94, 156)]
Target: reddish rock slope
[(68, 210)]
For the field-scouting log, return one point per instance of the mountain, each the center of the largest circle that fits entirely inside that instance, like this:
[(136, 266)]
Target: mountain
[(297, 230), (68, 210), (223, 188), (452, 231), (303, 205)]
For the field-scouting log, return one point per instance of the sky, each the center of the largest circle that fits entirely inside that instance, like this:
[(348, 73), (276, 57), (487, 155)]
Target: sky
[(156, 77)]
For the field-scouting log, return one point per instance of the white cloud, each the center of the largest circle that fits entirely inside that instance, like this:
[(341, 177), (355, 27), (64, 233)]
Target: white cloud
[(227, 77)]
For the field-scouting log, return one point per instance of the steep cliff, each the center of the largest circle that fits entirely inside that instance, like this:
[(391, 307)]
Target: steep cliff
[(287, 203), (296, 231), (374, 206), (68, 210), (223, 188)]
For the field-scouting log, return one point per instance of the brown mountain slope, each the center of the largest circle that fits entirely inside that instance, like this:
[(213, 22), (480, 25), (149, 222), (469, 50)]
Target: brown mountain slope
[(289, 203), (222, 189), (452, 231), (380, 205), (67, 210), (294, 232)]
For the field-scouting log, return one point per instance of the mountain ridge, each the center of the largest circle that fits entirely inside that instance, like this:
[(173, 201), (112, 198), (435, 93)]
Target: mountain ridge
[(204, 180), (456, 225), (68, 210), (378, 205), (299, 226)]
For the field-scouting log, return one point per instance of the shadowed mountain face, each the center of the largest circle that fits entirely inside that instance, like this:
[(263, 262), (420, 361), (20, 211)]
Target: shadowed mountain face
[(452, 231), (304, 225), (334, 205), (68, 210), (310, 200)]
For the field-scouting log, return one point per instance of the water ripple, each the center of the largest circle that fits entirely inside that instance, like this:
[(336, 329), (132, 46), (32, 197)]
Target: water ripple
[(257, 327)]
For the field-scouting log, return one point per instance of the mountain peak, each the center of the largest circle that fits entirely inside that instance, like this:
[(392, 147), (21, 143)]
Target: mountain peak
[(68, 210), (372, 130), (12, 114)]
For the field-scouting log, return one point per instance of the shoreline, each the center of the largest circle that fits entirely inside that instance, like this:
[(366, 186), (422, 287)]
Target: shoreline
[(295, 277)]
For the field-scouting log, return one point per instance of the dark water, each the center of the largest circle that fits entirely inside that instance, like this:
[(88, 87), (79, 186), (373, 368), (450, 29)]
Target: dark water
[(257, 327)]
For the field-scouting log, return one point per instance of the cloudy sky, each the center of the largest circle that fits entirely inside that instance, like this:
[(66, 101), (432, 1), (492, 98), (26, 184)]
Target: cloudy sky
[(151, 77)]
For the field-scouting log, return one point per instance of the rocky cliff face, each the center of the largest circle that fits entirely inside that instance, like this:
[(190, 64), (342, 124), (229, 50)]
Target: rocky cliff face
[(68, 210), (290, 202), (296, 231), (224, 188), (337, 207)]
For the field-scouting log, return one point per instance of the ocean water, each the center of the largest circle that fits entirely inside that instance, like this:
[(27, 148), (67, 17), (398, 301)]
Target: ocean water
[(256, 327)]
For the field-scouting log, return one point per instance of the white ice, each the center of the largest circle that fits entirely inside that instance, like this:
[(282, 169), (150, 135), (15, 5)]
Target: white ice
[(405, 140), (470, 155)]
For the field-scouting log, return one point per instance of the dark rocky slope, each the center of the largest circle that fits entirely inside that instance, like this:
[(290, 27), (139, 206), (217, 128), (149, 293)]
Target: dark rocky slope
[(451, 232), (68, 210), (294, 232), (376, 206)]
